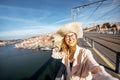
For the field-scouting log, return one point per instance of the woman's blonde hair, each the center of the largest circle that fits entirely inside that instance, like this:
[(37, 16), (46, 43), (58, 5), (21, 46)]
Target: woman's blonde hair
[(70, 27), (64, 46)]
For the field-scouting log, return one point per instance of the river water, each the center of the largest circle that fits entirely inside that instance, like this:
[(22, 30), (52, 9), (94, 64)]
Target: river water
[(21, 64)]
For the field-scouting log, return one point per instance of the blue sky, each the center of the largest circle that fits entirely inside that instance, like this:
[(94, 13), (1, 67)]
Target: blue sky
[(21, 19)]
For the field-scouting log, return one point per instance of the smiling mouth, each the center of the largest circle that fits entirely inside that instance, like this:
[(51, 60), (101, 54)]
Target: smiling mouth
[(70, 42)]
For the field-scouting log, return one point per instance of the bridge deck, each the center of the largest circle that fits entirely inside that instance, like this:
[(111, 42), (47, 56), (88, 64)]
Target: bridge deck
[(99, 59)]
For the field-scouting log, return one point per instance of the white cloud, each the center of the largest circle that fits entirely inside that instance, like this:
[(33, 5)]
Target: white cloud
[(19, 8), (63, 20), (17, 19), (22, 34), (39, 14)]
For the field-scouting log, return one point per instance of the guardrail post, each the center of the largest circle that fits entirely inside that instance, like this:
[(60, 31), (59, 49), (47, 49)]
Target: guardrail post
[(92, 43), (118, 62), (86, 39)]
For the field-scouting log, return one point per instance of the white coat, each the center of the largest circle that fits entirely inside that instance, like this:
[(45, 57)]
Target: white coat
[(83, 66)]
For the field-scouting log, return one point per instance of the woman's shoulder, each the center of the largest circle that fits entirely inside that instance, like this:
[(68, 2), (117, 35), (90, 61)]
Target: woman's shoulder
[(56, 53), (85, 51)]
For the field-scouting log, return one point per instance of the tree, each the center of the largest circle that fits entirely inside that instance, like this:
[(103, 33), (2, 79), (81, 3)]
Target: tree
[(106, 25), (114, 26)]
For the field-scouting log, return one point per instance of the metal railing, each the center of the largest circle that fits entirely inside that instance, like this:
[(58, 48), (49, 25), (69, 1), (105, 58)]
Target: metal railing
[(92, 42)]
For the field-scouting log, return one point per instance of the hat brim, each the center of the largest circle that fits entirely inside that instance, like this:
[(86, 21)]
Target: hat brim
[(71, 27)]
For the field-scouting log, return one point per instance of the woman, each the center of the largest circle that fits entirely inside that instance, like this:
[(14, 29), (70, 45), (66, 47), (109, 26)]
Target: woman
[(79, 62)]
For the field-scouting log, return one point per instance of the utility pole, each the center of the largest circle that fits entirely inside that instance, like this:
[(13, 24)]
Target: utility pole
[(82, 6)]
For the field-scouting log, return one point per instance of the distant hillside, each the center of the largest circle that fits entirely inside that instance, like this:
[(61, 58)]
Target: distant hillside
[(38, 42)]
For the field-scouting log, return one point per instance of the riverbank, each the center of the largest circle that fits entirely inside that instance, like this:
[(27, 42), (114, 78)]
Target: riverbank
[(44, 42), (8, 42)]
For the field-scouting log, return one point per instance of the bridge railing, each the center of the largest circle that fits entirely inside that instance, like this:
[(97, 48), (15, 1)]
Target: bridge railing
[(92, 42)]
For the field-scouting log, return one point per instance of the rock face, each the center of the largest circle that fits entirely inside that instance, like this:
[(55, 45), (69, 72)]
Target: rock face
[(43, 42), (2, 43), (7, 42)]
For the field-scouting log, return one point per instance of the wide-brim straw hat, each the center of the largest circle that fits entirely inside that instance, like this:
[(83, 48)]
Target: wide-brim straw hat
[(70, 27)]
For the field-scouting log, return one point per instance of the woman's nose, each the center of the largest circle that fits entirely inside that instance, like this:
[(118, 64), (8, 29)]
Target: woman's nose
[(70, 38)]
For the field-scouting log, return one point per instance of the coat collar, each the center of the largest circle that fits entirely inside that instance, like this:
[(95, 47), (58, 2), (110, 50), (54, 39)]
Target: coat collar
[(76, 52)]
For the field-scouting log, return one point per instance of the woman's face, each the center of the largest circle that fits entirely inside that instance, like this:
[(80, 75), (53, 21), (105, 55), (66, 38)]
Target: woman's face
[(71, 39)]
